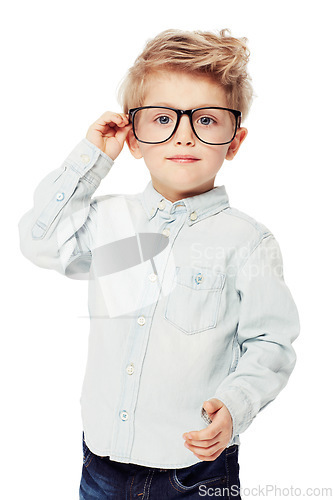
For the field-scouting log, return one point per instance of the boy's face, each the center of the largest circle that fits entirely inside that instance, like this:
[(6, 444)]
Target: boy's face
[(173, 177)]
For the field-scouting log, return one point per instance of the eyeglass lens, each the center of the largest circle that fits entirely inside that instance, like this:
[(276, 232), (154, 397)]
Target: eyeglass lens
[(211, 125)]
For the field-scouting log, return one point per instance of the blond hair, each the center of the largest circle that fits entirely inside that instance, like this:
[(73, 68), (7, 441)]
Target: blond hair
[(220, 56)]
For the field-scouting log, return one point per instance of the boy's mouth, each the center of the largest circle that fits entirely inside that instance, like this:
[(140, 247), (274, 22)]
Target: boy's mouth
[(183, 159)]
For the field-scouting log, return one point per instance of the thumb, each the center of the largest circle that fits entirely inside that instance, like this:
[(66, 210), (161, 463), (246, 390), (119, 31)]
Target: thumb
[(212, 405), (115, 144), (122, 132)]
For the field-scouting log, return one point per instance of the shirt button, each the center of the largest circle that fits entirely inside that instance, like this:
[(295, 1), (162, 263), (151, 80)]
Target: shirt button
[(166, 232), (161, 205), (193, 216), (123, 415), (130, 369), (141, 320), (60, 196), (85, 159), (152, 277)]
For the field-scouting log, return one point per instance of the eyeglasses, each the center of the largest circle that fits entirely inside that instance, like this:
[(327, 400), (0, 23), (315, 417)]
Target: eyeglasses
[(156, 124)]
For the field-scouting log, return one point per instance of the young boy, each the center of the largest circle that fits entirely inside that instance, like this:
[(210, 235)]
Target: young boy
[(191, 320)]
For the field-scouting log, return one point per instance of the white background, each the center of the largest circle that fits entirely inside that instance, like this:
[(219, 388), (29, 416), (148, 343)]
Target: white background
[(61, 64)]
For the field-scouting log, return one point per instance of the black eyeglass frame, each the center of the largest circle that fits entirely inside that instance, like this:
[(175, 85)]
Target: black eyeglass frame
[(189, 112)]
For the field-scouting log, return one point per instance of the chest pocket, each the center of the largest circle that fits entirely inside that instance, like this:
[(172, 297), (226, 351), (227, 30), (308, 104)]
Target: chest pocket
[(193, 304)]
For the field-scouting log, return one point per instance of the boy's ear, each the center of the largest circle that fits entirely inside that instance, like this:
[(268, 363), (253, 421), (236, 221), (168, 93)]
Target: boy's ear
[(133, 145), (236, 143)]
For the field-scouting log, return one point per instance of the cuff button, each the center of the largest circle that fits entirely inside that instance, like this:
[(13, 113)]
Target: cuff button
[(85, 159)]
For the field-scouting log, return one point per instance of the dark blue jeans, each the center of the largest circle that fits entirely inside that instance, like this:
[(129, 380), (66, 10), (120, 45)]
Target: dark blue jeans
[(104, 479)]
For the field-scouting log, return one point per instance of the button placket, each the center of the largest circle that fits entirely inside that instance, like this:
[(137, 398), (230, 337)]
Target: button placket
[(138, 336)]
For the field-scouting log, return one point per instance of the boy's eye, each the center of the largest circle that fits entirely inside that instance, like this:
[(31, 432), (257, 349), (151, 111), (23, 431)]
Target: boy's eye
[(206, 120), (163, 120)]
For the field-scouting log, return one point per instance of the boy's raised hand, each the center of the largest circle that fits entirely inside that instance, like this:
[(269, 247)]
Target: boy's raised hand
[(207, 444), (109, 132)]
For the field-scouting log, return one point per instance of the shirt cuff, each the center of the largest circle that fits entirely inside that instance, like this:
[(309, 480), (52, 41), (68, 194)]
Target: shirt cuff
[(86, 162), (86, 157), (239, 407)]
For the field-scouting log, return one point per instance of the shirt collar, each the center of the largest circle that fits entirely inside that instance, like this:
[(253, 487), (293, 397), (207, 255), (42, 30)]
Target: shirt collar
[(197, 207)]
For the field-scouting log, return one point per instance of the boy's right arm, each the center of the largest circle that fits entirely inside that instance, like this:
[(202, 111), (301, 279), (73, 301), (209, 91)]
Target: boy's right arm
[(58, 230)]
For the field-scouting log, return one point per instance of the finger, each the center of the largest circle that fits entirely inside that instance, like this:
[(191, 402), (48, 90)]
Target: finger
[(124, 130), (125, 117), (123, 120), (208, 433), (121, 135), (206, 452), (205, 442), (210, 458), (110, 118), (124, 123)]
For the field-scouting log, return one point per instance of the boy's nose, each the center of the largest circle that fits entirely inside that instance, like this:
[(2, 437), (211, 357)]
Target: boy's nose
[(184, 133)]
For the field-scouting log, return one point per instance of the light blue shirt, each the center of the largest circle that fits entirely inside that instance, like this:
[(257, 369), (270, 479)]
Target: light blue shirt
[(187, 302)]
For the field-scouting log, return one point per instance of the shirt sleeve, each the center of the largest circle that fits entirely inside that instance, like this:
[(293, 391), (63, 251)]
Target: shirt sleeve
[(58, 231), (268, 323)]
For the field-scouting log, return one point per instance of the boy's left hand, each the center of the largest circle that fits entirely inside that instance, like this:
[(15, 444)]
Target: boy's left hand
[(210, 442)]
